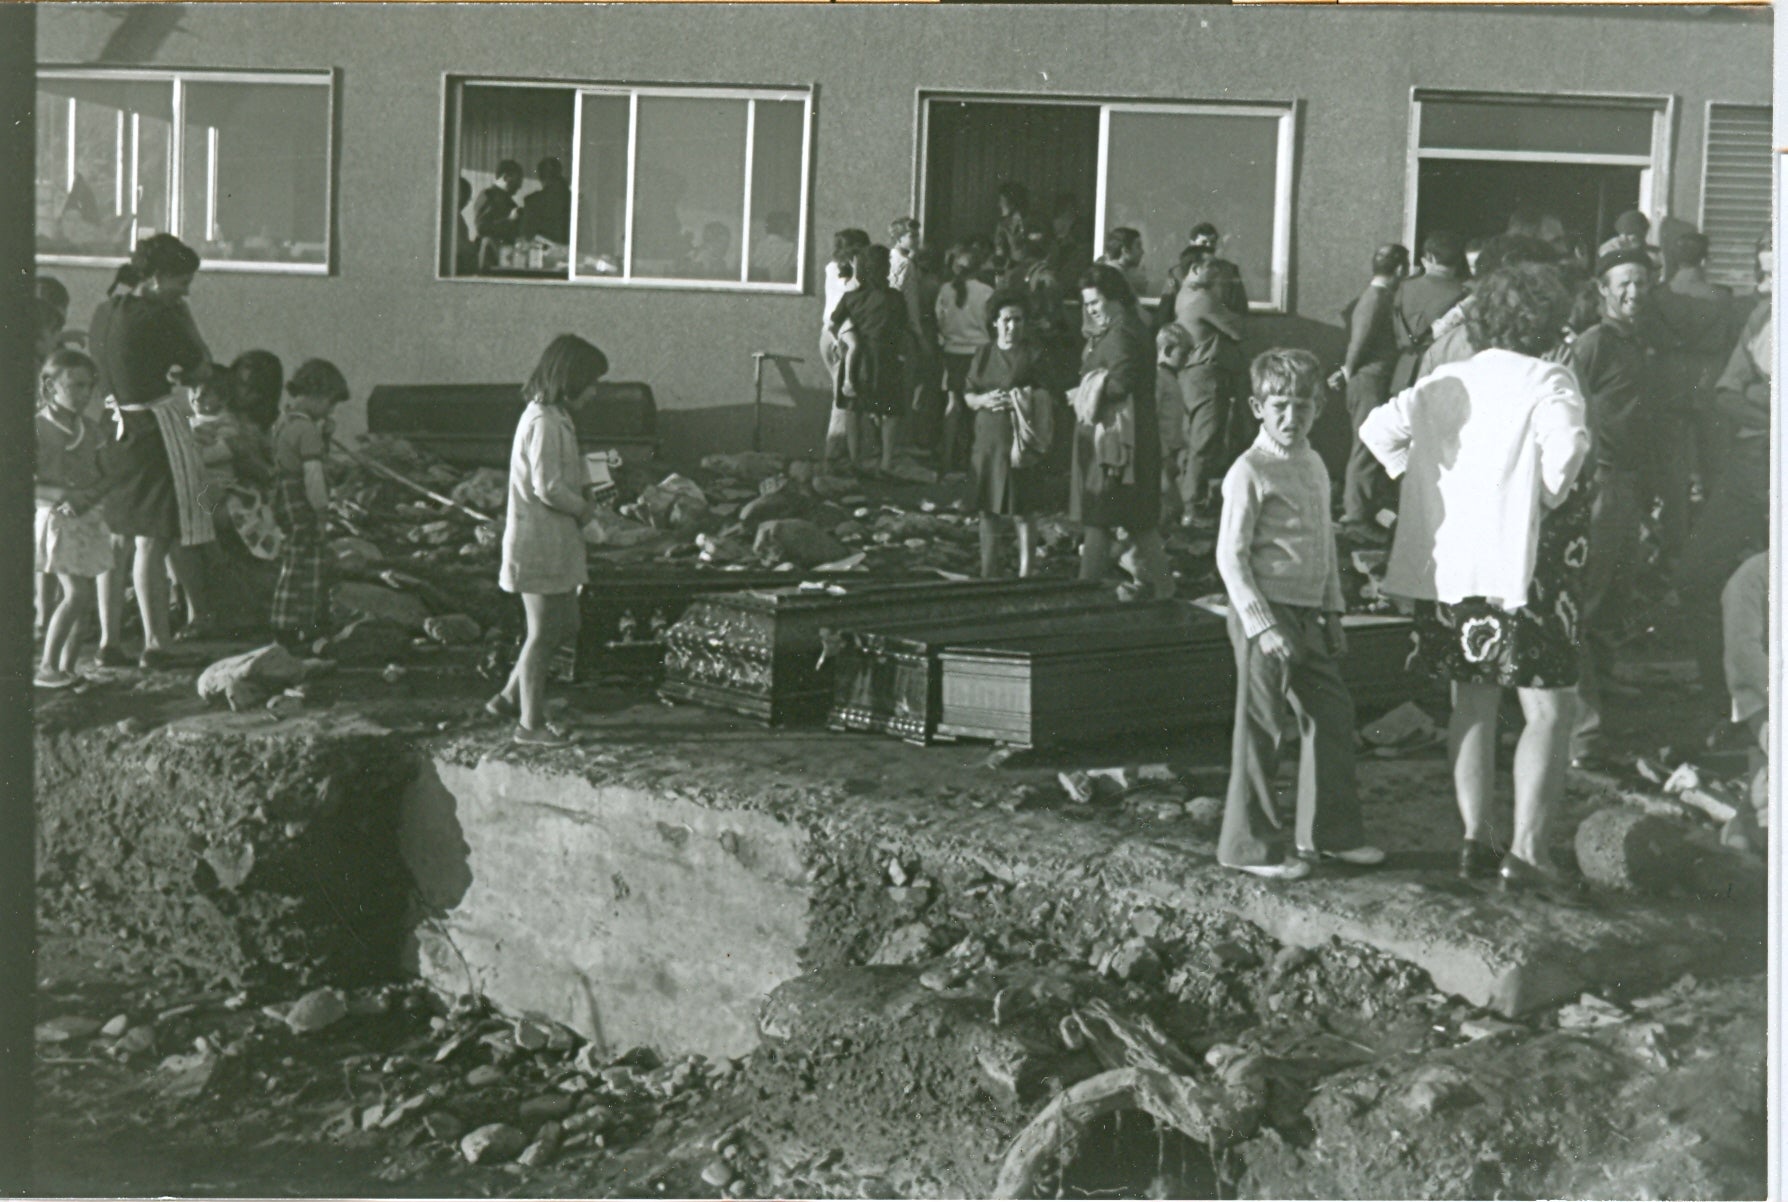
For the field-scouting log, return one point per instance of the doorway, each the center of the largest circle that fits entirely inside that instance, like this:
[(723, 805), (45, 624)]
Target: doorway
[(1473, 198)]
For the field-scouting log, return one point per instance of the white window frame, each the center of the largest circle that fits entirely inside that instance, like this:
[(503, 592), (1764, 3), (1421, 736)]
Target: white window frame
[(177, 79), (1654, 166), (1286, 112), (454, 90)]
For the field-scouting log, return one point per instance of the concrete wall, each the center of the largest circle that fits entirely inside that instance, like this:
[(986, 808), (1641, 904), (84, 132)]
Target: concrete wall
[(386, 319)]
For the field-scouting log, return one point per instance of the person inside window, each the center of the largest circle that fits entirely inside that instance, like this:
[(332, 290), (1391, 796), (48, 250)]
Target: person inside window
[(773, 254), (713, 258), (546, 211), (465, 246), (495, 218)]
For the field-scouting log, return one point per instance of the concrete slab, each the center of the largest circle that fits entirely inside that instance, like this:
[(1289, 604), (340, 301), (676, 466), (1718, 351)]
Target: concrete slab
[(650, 798)]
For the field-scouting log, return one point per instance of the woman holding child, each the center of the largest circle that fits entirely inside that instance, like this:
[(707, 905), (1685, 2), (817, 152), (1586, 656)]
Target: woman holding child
[(1492, 535)]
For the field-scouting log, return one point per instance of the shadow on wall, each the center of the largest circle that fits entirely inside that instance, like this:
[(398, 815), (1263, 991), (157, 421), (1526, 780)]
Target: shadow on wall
[(434, 850)]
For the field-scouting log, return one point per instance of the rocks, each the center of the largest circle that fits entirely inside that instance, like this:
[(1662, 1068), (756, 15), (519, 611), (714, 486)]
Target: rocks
[(230, 862), (401, 609), (453, 630), (1134, 960), (544, 1148), (547, 1106), (1435, 1090), (66, 1028), (247, 680), (781, 504), (443, 1125), (368, 640), (674, 503), (609, 529), (1406, 728), (355, 554), (1619, 848), (187, 1075), (1290, 958), (717, 1172), (1205, 811), (492, 1143), (486, 490), (316, 1010), (484, 1075), (908, 944), (797, 541), (116, 1026), (746, 465)]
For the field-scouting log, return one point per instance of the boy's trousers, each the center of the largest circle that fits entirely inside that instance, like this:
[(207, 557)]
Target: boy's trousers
[(1269, 694)]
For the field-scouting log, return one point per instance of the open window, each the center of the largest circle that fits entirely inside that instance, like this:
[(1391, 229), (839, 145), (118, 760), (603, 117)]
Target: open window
[(1475, 158), (1736, 186), (1159, 168), (237, 164), (623, 184)]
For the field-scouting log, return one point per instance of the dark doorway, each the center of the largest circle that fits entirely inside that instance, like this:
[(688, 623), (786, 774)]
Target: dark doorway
[(1473, 198), (972, 147)]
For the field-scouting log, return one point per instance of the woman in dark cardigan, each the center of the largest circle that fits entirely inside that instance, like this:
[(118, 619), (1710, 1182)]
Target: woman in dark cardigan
[(146, 344), (1119, 343)]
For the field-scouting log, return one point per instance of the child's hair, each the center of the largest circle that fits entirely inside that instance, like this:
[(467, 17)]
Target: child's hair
[(61, 360), (262, 377), (900, 227), (567, 367), (1006, 299), (1285, 371), (1521, 308), (965, 261), (51, 289), (1120, 240), (162, 255), (870, 265), (221, 389), (318, 378), (1202, 272), (844, 248), (510, 167), (1110, 283)]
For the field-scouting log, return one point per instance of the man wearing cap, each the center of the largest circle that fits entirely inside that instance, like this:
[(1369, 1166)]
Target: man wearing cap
[(1630, 230), (1233, 294), (1612, 369), (1366, 374)]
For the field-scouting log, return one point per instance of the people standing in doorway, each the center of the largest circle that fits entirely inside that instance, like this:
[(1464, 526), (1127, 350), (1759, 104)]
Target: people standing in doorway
[(1613, 368), (1209, 388), (963, 324), (1366, 375), (871, 325), (1116, 459), (544, 560), (1631, 229), (1124, 251), (1423, 300), (1003, 387), (1070, 236), (1276, 554), (1015, 225), (904, 277), (1490, 545)]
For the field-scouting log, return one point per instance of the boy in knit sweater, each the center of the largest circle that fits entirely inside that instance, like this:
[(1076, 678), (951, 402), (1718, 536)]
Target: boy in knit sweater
[(1276, 552)]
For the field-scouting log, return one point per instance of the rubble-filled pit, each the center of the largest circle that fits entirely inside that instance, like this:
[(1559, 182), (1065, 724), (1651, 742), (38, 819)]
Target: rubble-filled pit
[(919, 1029)]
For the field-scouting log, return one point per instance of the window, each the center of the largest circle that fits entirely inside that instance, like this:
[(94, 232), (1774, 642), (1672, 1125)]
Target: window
[(1735, 190), (1576, 162), (617, 184), (1158, 168), (235, 164)]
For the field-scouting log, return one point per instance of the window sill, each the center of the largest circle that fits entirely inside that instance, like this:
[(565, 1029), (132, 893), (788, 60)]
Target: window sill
[(206, 266), (532, 279)]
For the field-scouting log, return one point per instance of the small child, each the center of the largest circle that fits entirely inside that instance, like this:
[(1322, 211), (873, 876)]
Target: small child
[(1276, 552), (301, 500), (72, 541)]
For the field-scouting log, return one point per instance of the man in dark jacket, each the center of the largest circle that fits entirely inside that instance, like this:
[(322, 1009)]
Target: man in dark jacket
[(1424, 300), (1366, 374), (495, 217)]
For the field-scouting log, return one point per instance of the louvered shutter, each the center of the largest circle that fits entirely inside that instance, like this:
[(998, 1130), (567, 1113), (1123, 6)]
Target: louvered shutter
[(1735, 190)]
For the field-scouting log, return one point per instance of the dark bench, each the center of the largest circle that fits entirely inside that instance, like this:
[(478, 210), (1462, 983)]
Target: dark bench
[(475, 423)]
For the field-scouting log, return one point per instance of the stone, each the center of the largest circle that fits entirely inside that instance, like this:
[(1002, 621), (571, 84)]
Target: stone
[(443, 1124), (1487, 1028), (492, 1143), (610, 529), (547, 1106), (664, 503), (1589, 1011), (66, 1028), (376, 601), (1436, 1090), (186, 1075), (453, 630), (483, 1075), (1622, 849), (116, 1026), (136, 1042), (486, 490), (544, 1148), (368, 640), (1205, 811), (355, 554), (316, 1010), (230, 862), (797, 541), (130, 727), (717, 1172), (1135, 960), (912, 473), (834, 486), (772, 506), (906, 944), (745, 465), (1290, 958), (620, 1078), (245, 681), (1407, 726)]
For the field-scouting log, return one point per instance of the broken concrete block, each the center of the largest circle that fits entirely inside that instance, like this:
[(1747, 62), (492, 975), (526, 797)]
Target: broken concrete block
[(245, 681), (185, 1075), (747, 465), (316, 1010), (1590, 1011), (907, 944), (1136, 961), (1620, 848), (544, 1148), (115, 1027), (355, 554), (547, 1106), (443, 1124), (67, 1027), (230, 862), (483, 1075), (1407, 726), (1205, 811), (492, 1143), (376, 601), (454, 630)]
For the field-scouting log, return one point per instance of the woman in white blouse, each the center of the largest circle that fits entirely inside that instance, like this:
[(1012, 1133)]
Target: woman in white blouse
[(543, 541), (1492, 535)]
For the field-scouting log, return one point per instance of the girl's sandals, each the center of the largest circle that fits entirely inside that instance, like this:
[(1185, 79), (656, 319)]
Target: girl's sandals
[(55, 679), (547, 736)]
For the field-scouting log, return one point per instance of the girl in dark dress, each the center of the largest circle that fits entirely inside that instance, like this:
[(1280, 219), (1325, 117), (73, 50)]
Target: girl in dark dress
[(871, 324), (148, 347), (1119, 344), (1012, 420)]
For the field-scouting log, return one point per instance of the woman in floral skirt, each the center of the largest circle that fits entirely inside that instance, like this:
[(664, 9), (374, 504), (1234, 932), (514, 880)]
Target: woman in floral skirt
[(1491, 539)]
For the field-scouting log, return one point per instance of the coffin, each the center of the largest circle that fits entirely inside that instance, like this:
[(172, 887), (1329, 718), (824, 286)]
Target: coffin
[(1375, 666), (888, 679), (759, 653), (1117, 678), (475, 424)]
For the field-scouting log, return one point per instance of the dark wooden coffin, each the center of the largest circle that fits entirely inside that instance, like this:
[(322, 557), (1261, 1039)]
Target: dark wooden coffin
[(1376, 664), (888, 679), (1122, 677), (759, 653), (475, 423)]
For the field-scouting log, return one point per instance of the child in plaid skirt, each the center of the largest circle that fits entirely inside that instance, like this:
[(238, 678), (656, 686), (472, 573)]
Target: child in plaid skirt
[(301, 499)]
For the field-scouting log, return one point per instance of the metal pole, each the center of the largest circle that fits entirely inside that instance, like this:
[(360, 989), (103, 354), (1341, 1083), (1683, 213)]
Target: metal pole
[(757, 400)]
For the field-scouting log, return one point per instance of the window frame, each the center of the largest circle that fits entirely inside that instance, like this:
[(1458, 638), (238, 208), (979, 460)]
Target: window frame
[(1286, 112), (453, 92), (1775, 158), (177, 78), (1654, 167)]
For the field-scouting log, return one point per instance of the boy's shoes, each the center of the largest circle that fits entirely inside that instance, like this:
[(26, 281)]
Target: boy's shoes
[(546, 736), (1289, 870), (1363, 856), (55, 679), (112, 657), (1478, 861)]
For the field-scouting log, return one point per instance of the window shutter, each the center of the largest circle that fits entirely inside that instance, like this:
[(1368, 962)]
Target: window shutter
[(1735, 190)]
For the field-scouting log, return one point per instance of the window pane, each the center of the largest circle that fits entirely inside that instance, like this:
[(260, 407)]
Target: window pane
[(602, 187), (689, 193), (521, 233), (255, 181), (88, 207), (1166, 172), (776, 189), (1557, 128)]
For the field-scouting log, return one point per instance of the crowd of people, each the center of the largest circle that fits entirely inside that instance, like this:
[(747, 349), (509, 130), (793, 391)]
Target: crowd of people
[(1519, 416)]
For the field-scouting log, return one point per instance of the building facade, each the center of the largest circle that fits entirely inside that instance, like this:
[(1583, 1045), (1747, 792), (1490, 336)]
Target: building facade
[(337, 166)]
